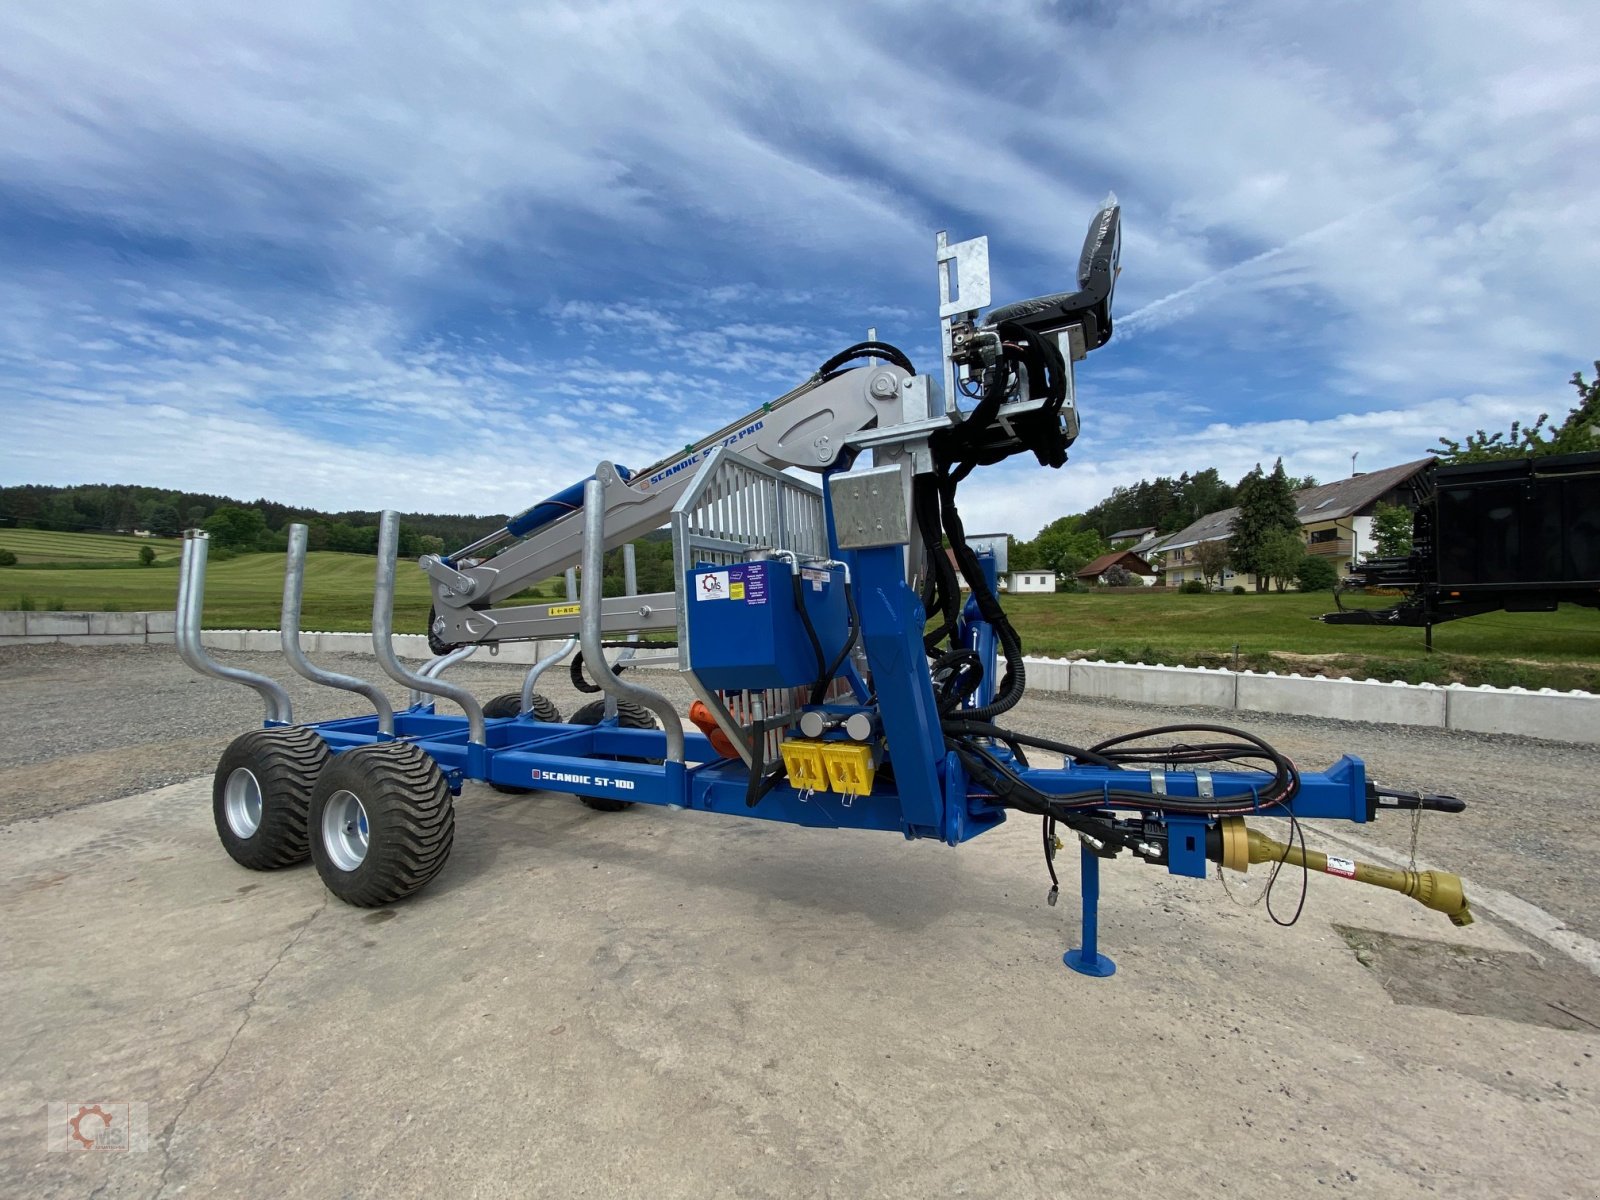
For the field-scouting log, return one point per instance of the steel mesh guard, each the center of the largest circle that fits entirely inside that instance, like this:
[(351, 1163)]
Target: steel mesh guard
[(734, 509)]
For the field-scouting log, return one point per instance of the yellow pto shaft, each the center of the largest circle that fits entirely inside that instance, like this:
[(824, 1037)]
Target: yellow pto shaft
[(1438, 890)]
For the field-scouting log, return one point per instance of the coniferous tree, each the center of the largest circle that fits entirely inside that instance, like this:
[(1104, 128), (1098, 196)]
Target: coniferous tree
[(1266, 505)]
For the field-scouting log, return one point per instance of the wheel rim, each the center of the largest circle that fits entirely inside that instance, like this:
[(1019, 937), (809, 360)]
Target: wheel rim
[(241, 802), (344, 830)]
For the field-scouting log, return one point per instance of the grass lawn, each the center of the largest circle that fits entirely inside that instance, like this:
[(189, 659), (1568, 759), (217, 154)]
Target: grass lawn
[(1275, 632), (1269, 632), (241, 593), (35, 546)]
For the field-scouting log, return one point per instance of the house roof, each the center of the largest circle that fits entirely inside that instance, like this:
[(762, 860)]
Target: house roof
[(1327, 502), (1139, 532), (1207, 529), (1345, 496), (1117, 558)]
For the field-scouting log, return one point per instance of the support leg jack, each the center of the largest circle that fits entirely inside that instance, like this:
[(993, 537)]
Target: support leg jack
[(1087, 959)]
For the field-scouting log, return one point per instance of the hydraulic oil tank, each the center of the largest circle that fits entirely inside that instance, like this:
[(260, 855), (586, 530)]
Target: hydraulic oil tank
[(745, 624)]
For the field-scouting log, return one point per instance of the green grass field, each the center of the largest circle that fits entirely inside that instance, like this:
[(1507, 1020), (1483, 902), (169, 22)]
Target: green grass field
[(244, 592), (35, 546), (1261, 632), (1276, 632)]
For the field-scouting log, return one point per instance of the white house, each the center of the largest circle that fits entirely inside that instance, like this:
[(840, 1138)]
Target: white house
[(1031, 581), (1335, 518)]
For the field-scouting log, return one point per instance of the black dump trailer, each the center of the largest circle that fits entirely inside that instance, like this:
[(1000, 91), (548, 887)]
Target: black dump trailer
[(1520, 534)]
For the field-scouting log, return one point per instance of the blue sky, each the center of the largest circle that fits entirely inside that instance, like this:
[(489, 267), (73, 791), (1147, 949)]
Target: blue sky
[(447, 257)]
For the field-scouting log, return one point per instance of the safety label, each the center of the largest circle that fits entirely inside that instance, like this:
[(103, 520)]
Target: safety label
[(748, 582), (561, 610), (1341, 866)]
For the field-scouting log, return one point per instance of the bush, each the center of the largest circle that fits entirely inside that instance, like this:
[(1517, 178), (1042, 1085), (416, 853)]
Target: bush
[(1316, 574), (147, 556), (25, 604), (1239, 590), (7, 559), (1194, 587)]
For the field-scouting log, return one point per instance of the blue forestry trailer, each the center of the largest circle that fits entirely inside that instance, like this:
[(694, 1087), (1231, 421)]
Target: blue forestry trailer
[(841, 678)]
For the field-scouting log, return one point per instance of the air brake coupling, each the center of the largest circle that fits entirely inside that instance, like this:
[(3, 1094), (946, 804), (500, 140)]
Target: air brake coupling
[(1239, 846)]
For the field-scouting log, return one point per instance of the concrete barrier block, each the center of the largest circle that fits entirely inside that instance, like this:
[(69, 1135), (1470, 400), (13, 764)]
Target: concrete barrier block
[(56, 624), (1342, 699), (160, 639), (223, 639), (13, 624), (120, 624), (160, 622), (1153, 684), (336, 643), (107, 639), (518, 654), (1559, 716), (412, 645), (1049, 674)]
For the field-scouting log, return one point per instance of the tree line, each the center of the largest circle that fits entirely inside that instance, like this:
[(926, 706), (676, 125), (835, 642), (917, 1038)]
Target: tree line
[(233, 524), (1166, 504)]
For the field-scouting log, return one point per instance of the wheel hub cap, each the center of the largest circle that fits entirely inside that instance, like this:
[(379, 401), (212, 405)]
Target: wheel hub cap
[(241, 803), (344, 830)]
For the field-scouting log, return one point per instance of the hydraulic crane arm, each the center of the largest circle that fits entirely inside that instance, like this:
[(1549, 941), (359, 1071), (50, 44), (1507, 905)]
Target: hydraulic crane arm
[(807, 428)]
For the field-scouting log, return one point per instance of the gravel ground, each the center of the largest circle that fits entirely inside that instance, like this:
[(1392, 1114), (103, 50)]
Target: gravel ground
[(94, 725), (765, 1011)]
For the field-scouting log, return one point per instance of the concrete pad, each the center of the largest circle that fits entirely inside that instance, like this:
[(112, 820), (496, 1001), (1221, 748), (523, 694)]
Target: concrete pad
[(56, 624), (1565, 717), (160, 622), (109, 639), (13, 624), (1342, 699), (668, 1004)]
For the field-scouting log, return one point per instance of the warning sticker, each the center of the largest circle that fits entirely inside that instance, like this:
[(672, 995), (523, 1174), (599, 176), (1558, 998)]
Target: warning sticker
[(713, 585), (561, 610), (748, 582), (1341, 866)]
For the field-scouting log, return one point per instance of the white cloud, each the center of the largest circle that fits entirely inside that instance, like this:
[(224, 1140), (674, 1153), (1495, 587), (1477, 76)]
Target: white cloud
[(1383, 213)]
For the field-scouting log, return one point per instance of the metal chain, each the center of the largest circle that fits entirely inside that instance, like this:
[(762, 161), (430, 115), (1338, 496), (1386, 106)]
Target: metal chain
[(1228, 892)]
